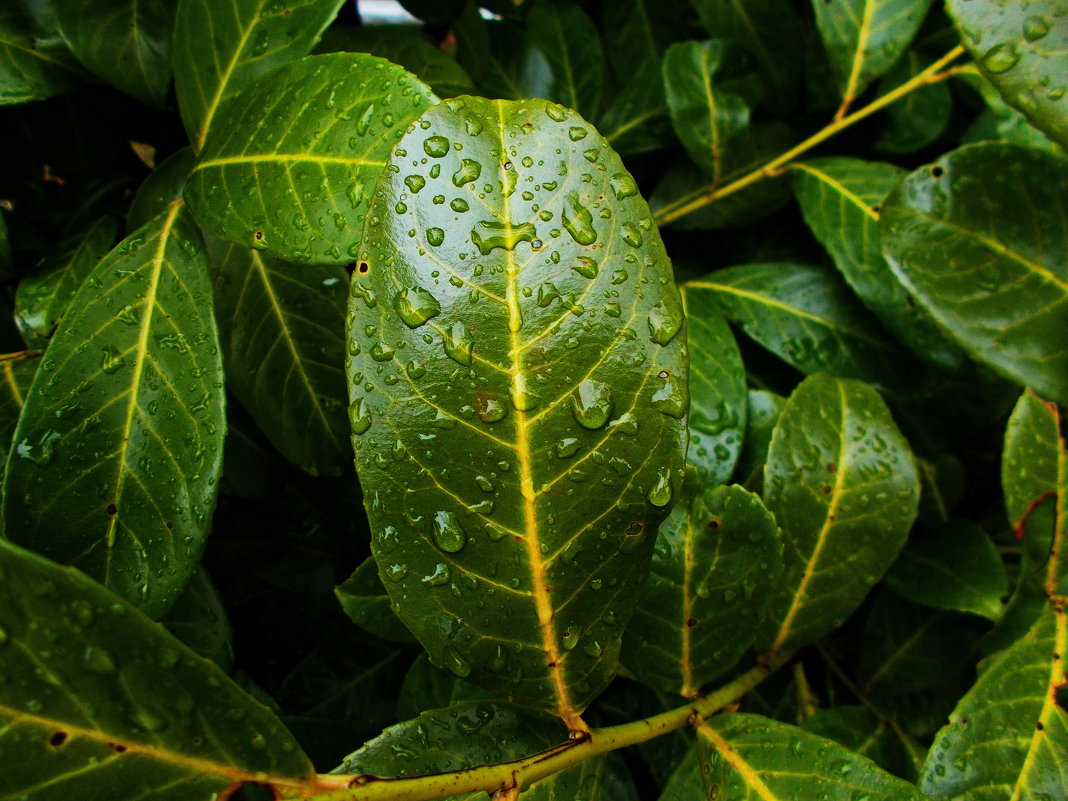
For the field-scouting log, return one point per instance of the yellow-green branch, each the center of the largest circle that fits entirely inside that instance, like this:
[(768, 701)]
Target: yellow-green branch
[(519, 773), (700, 199)]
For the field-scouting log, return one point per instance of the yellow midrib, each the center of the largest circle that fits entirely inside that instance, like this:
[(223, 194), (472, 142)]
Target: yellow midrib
[(740, 766), (839, 187), (858, 60), (274, 158)]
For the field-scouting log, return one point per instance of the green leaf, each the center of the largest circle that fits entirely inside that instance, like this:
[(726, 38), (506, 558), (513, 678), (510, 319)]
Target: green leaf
[(250, 464), (919, 118), (198, 618), (282, 328), (1020, 48), (565, 38), (841, 482), (43, 298), (861, 730), (764, 410), (18, 372), (1008, 736), (751, 758), (265, 182), (426, 687), (34, 61), (957, 567), (100, 701), (991, 268), (124, 42), (249, 38), (519, 479), (636, 118), (637, 32), (863, 38), (601, 778), (120, 442), (999, 120), (840, 199), (7, 266), (365, 601), (162, 187), (718, 556), (808, 318), (718, 399)]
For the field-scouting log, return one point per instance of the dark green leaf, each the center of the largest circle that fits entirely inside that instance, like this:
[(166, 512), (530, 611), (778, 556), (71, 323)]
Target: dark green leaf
[(919, 118), (840, 199), (118, 449), (1008, 737), (636, 33), (999, 120), (125, 42), (248, 39), (718, 399), (861, 730), (562, 35), (34, 61), (808, 318), (1021, 49), (7, 267), (43, 298), (991, 267), (863, 38), (519, 481), (764, 410), (364, 599), (944, 484), (436, 12), (163, 186), (956, 567), (636, 118), (426, 687), (282, 328), (752, 758), (19, 370), (198, 618), (841, 482), (265, 182), (249, 462), (718, 556), (99, 701), (601, 778), (494, 55)]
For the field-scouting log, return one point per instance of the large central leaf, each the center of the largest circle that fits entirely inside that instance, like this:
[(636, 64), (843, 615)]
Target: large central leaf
[(518, 380)]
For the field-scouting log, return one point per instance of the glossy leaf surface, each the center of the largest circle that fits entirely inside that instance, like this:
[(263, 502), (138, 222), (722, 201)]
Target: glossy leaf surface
[(249, 38), (842, 485), (535, 357), (366, 602), (603, 777), (1008, 736), (718, 399), (764, 409), (163, 186), (1020, 47), (34, 63), (125, 42), (718, 556), (863, 38), (119, 446), (265, 182), (282, 328), (840, 199), (919, 118), (807, 317), (567, 40), (989, 266), (18, 372), (101, 701)]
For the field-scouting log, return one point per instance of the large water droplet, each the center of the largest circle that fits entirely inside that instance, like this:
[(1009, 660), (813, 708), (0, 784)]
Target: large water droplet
[(458, 343), (555, 112), (586, 267), (489, 408), (98, 660), (415, 183), (435, 236), (567, 447), (1035, 28), (436, 146), (111, 360), (440, 575), (364, 120), (1001, 58), (415, 306), (359, 418), (468, 171), (490, 234), (578, 221), (672, 399), (631, 235), (591, 404), (660, 493), (456, 663), (623, 185), (665, 320), (388, 540), (448, 533)]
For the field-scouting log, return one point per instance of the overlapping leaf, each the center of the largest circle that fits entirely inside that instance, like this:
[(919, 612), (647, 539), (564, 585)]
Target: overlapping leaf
[(840, 199), (198, 618), (990, 265), (289, 163), (125, 42), (118, 449), (919, 118), (18, 372), (35, 62), (529, 337), (163, 186), (1020, 47), (718, 556), (1008, 736), (842, 485), (282, 329), (100, 701), (763, 413), (249, 38), (366, 602), (567, 40)]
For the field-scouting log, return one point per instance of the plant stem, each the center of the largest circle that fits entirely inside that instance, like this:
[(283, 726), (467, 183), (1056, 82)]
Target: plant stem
[(510, 776), (697, 200)]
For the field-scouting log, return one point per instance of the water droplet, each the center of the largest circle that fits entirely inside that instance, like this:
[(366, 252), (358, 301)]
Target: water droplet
[(456, 663), (448, 533), (458, 343), (436, 146), (459, 205), (660, 493), (359, 418), (415, 306), (575, 133), (593, 648), (547, 293), (555, 112), (388, 540), (1001, 57), (567, 447), (591, 404), (111, 360), (523, 400), (490, 234), (672, 399), (484, 483), (396, 571), (631, 235), (363, 122), (435, 236), (488, 408), (3, 637), (98, 660), (149, 720), (468, 172), (586, 267), (623, 185), (665, 320), (1035, 28), (579, 222), (440, 575), (498, 660), (415, 183), (381, 352)]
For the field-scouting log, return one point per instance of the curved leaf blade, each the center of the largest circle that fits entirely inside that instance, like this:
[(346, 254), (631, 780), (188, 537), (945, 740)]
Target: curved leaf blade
[(514, 464), (34, 63), (99, 700), (841, 482), (564, 36), (991, 269), (198, 618), (249, 38), (96, 478), (366, 602), (264, 181), (1021, 49), (18, 372), (283, 329), (717, 557), (162, 187)]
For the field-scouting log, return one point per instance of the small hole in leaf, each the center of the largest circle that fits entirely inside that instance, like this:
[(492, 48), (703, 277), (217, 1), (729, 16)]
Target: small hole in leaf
[(713, 525), (826, 489), (1039, 726), (258, 236), (169, 525), (363, 267), (691, 622), (663, 375), (937, 172), (112, 510), (57, 739)]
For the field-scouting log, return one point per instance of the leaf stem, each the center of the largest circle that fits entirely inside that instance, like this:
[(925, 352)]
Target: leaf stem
[(698, 200), (502, 778)]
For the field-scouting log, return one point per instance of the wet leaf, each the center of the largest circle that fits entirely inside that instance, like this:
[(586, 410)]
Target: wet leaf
[(35, 62), (861, 730), (562, 35), (543, 396), (919, 118), (365, 601), (427, 687), (18, 372), (990, 267), (118, 449), (764, 410), (163, 186), (263, 181), (602, 777), (249, 38), (198, 618), (718, 556), (842, 485)]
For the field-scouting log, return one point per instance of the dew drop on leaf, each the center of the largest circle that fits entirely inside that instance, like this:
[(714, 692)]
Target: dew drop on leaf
[(591, 404), (448, 533)]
